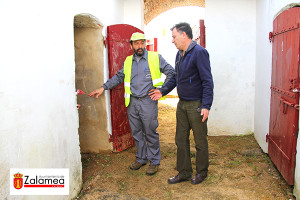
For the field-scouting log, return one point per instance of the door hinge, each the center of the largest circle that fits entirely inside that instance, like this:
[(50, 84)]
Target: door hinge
[(267, 137), (284, 92), (105, 42), (283, 30), (271, 36)]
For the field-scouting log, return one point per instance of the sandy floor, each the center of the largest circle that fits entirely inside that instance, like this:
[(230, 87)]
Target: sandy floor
[(170, 101), (238, 170)]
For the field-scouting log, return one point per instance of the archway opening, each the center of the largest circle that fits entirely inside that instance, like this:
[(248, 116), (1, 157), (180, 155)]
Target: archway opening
[(159, 27), (89, 70)]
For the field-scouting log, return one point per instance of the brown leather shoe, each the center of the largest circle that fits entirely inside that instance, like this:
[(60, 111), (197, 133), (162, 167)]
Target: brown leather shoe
[(136, 165), (198, 178), (177, 179)]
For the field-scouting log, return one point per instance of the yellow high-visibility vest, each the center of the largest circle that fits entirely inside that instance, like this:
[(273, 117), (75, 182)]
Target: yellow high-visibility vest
[(153, 61)]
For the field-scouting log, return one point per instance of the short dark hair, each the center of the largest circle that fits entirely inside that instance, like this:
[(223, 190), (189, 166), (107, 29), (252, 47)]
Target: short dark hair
[(184, 27)]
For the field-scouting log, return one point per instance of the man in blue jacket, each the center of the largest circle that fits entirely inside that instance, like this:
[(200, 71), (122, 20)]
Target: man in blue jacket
[(194, 83)]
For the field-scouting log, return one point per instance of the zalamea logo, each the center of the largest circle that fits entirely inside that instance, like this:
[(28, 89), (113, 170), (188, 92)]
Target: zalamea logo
[(18, 181), (38, 181)]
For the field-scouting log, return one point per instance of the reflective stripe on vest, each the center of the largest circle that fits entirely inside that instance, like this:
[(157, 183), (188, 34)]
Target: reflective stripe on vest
[(153, 61), (127, 79)]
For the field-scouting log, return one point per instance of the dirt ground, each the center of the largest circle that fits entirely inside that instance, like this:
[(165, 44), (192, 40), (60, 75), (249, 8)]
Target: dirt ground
[(238, 170)]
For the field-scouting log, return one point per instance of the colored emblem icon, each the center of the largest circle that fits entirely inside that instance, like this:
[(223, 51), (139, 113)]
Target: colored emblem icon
[(18, 181)]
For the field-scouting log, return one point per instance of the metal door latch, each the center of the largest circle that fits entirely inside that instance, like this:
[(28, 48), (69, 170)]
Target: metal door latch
[(287, 103)]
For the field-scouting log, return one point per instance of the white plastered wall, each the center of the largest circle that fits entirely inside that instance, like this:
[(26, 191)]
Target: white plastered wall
[(230, 41), (264, 24), (267, 10), (39, 119), (134, 13)]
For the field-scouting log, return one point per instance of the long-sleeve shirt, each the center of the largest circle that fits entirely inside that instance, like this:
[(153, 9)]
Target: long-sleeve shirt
[(141, 80), (193, 76)]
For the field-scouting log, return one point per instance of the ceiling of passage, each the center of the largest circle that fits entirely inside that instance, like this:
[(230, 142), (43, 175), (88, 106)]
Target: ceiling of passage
[(153, 8)]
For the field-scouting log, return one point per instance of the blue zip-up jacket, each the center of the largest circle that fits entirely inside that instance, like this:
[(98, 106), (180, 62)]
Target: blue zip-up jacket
[(193, 76)]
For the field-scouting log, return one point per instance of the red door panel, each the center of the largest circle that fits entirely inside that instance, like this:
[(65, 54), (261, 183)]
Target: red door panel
[(284, 113), (199, 33), (118, 37)]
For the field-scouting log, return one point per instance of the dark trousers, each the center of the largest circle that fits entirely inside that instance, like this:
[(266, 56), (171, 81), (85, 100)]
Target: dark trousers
[(188, 116)]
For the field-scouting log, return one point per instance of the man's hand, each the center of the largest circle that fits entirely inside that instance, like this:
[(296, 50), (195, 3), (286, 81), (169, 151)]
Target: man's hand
[(96, 93), (155, 94), (204, 113)]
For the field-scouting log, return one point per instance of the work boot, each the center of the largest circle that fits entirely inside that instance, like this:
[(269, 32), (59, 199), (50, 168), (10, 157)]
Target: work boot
[(136, 165), (152, 169)]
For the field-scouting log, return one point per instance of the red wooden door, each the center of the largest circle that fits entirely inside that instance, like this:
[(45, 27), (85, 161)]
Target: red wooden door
[(118, 45), (284, 113), (199, 33)]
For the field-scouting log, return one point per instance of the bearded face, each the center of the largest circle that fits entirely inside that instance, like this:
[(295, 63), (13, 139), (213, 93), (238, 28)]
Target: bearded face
[(139, 51), (139, 47)]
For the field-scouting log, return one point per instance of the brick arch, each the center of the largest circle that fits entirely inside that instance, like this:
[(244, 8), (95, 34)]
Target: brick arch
[(153, 8)]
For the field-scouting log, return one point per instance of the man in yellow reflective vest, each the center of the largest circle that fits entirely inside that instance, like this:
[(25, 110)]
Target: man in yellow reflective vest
[(141, 73)]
